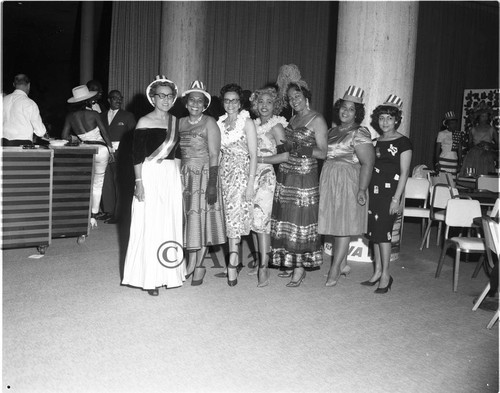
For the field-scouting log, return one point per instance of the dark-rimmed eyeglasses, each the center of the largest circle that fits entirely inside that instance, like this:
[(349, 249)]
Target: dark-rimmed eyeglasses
[(165, 96)]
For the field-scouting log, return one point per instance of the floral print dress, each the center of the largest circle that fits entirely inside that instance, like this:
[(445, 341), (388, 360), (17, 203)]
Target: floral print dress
[(265, 178), (234, 172)]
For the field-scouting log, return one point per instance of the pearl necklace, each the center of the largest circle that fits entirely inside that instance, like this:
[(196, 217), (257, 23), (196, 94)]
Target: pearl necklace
[(196, 121)]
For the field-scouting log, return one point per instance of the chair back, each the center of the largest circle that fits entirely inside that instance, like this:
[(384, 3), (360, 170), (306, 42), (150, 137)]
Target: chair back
[(491, 240), (440, 178), (417, 189), (490, 183), (440, 195), (494, 212), (461, 212)]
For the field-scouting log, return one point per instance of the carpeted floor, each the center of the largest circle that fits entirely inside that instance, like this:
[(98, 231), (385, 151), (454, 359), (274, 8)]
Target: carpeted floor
[(68, 326)]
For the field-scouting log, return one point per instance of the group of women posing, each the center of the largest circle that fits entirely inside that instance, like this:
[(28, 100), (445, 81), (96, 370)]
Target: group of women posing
[(225, 185)]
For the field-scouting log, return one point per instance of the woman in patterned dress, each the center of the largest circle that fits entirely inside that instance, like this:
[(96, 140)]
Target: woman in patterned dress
[(200, 147), (295, 241), (343, 209), (391, 170), (154, 254), (270, 132), (238, 166)]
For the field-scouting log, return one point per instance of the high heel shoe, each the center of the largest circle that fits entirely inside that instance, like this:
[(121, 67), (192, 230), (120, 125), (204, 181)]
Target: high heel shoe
[(285, 273), (293, 284), (331, 283), (385, 289), (345, 271), (370, 283), (232, 283), (198, 275), (153, 292), (263, 282), (189, 274)]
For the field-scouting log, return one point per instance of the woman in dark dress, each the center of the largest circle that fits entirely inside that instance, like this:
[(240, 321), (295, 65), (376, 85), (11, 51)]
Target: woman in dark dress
[(391, 170)]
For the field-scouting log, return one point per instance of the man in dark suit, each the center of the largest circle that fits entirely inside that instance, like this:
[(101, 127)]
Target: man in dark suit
[(120, 125)]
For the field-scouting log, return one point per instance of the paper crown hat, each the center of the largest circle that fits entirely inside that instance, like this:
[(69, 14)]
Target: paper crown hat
[(81, 93), (354, 94), (198, 86), (394, 100), (161, 78)]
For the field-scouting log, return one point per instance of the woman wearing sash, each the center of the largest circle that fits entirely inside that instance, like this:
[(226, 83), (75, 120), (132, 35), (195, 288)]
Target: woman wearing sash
[(154, 255)]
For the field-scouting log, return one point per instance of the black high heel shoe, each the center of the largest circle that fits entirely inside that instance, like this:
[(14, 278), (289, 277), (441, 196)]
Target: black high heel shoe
[(199, 274), (370, 283), (153, 292), (385, 289)]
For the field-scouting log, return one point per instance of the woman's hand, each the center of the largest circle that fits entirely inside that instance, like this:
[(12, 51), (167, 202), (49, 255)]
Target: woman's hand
[(394, 207), (139, 191), (361, 198)]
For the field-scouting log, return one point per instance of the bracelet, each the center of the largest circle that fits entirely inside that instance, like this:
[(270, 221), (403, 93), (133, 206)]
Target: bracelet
[(136, 180), (395, 200)]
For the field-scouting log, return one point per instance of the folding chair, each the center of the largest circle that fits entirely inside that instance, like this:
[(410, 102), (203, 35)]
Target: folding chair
[(440, 178), (460, 213), (487, 182), (417, 189), (440, 195), (493, 213), (491, 233)]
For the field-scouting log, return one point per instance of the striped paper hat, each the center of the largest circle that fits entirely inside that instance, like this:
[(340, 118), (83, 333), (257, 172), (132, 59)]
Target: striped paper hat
[(198, 87), (450, 116), (354, 94), (394, 100), (161, 78)]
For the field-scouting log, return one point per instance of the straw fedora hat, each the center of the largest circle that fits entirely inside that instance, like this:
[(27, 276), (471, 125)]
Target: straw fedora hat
[(81, 93), (198, 86), (161, 78)]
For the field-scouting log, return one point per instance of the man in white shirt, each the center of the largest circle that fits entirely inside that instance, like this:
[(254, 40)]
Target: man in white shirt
[(21, 116)]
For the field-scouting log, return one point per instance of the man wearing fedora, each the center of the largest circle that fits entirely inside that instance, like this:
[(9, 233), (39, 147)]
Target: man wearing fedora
[(120, 125), (21, 116)]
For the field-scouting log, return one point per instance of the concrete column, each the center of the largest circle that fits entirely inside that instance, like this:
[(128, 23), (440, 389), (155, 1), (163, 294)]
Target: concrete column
[(183, 43), (87, 42), (376, 45)]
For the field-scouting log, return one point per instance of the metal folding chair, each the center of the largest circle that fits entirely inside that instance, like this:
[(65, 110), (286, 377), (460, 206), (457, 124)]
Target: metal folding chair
[(491, 240), (460, 213)]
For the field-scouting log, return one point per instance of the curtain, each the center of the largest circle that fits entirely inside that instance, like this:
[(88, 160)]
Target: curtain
[(134, 51), (457, 49), (249, 41)]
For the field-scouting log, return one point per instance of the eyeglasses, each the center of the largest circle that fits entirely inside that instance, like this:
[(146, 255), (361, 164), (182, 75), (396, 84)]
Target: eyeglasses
[(163, 96), (233, 101)]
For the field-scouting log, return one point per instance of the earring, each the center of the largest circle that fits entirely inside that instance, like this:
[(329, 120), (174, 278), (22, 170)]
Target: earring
[(307, 103)]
